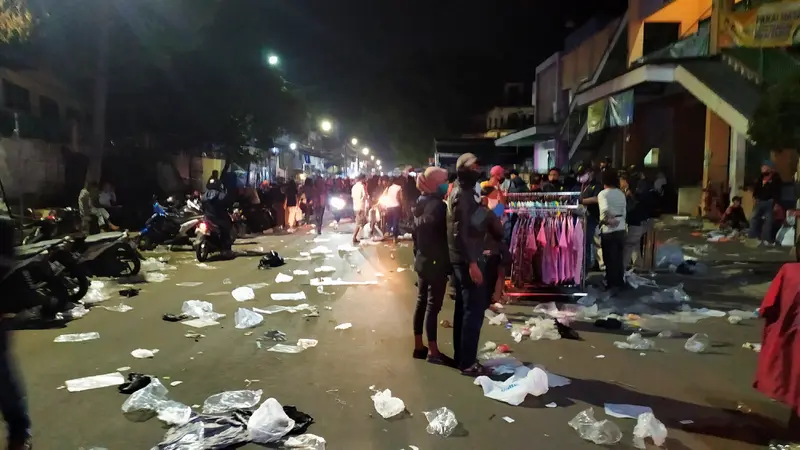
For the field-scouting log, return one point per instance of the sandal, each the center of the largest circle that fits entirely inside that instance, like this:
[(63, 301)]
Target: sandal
[(442, 360), (421, 353), (475, 370)]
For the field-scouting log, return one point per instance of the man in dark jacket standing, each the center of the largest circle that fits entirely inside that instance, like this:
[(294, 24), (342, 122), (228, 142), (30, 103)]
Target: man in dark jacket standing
[(215, 208), (465, 240), (766, 193)]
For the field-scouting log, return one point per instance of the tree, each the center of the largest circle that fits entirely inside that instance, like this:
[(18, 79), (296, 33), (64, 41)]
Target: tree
[(774, 125), (16, 21)]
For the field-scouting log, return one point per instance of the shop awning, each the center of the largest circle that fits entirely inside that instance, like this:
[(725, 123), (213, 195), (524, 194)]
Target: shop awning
[(649, 73), (527, 137)]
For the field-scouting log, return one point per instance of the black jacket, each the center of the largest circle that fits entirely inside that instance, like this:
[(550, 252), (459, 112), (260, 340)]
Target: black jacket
[(771, 190), (215, 205), (552, 186), (464, 236), (431, 257), (517, 186)]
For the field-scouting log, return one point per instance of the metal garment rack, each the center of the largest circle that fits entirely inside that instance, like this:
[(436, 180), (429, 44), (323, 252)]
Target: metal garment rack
[(571, 206)]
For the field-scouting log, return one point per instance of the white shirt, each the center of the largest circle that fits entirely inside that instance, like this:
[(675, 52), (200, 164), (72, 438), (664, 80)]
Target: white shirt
[(612, 209), (391, 196), (359, 194)]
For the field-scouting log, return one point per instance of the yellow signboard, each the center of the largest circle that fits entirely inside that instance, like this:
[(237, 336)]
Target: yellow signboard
[(769, 25)]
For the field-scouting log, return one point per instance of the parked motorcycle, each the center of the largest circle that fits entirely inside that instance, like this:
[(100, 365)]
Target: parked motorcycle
[(58, 222), (209, 239), (111, 254), (30, 282), (63, 263), (166, 226)]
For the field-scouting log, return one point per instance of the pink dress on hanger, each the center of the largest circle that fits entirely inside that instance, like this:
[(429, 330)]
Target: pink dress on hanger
[(579, 247), (563, 251), (541, 239)]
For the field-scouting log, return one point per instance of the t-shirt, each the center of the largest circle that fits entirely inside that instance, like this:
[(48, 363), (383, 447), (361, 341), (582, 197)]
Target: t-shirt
[(612, 209), (391, 196), (291, 195), (359, 194)]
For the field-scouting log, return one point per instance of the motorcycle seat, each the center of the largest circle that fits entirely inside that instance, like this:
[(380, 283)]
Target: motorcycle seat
[(104, 237), (32, 249)]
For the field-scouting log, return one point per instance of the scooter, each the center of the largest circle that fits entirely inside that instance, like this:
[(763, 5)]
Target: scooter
[(209, 239), (111, 254), (166, 227), (58, 222), (63, 262), (31, 282)]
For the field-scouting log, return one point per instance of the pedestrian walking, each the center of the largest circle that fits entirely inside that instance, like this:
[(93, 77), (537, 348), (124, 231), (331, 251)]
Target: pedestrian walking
[(431, 261), (612, 228), (393, 202), (360, 204)]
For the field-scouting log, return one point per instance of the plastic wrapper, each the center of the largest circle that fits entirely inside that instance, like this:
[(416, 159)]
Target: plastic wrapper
[(122, 307), (246, 318), (542, 328), (95, 382), (513, 391), (677, 294), (98, 292), (386, 405), (602, 432), (230, 400), (187, 437), (653, 323), (669, 254), (637, 281), (143, 353), (294, 296), (697, 343), (75, 313), (200, 310), (243, 294), (636, 342), (151, 401), (269, 423), (441, 422), (283, 278), (305, 442), (648, 426), (78, 337), (272, 309)]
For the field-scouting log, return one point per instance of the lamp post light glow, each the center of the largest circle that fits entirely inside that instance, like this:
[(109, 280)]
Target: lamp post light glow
[(354, 141), (378, 162), (365, 151), (372, 157), (273, 60), (293, 146), (326, 125)]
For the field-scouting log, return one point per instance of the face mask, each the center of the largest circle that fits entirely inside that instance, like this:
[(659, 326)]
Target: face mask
[(583, 178), (443, 188), (499, 209)]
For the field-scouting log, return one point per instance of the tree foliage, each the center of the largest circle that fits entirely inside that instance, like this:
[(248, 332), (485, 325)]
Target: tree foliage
[(774, 125), (16, 21)]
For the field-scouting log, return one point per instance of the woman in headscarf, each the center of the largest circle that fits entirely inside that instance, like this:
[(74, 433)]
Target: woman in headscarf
[(431, 260)]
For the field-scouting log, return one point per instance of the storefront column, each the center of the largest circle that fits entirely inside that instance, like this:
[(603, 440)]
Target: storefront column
[(738, 152), (717, 150)]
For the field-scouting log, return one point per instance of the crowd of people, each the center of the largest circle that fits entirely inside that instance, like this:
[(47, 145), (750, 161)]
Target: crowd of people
[(461, 234)]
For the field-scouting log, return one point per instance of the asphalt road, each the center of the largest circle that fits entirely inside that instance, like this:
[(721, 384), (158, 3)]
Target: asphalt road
[(331, 382)]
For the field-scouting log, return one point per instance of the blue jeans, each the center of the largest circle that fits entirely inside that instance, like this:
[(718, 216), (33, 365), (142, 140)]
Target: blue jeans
[(761, 220), (393, 220), (471, 305), (508, 228), (588, 255), (12, 398)]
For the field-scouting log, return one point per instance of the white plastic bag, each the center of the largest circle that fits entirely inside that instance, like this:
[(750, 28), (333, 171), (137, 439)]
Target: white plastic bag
[(283, 278), (305, 442), (669, 254), (243, 294), (229, 400), (514, 390), (200, 310), (441, 421), (386, 405), (152, 400), (269, 423), (648, 426), (697, 343), (603, 432), (247, 319)]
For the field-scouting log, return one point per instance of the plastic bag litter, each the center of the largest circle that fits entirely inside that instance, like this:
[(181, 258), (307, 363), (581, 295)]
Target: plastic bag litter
[(325, 269), (494, 318), (328, 281), (302, 345), (272, 309), (189, 284), (200, 310), (514, 390), (295, 296), (154, 265), (636, 342), (603, 432), (347, 248), (155, 277), (542, 328), (77, 337), (122, 307), (648, 426), (298, 272), (669, 254), (269, 423), (320, 250), (441, 421), (734, 320), (230, 400), (697, 343), (386, 405), (95, 382), (343, 326), (305, 442), (143, 353), (636, 281), (75, 313), (243, 294), (653, 323), (283, 278), (98, 292), (152, 400), (677, 294), (246, 318), (743, 314)]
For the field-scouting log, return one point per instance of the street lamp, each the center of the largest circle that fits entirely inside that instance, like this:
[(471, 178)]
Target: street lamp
[(372, 157), (378, 162), (354, 141), (365, 151), (293, 146), (273, 60), (326, 125)]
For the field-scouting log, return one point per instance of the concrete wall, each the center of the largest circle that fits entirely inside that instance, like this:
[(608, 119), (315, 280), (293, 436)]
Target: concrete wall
[(547, 92), (581, 62), (31, 167)]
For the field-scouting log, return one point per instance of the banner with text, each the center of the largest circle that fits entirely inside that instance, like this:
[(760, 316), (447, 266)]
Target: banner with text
[(769, 25)]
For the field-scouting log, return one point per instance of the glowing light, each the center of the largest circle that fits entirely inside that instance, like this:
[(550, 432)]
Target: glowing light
[(326, 125), (365, 151), (372, 157), (354, 141), (293, 146), (378, 162), (273, 60)]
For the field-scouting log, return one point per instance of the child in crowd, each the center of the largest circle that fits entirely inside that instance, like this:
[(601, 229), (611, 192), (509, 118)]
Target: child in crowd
[(734, 217)]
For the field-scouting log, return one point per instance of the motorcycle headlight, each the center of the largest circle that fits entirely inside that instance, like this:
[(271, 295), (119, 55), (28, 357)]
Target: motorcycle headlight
[(337, 203)]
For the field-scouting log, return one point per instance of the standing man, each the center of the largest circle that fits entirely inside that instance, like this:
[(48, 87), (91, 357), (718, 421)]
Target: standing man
[(590, 188), (766, 193), (291, 204), (465, 242), (360, 204), (553, 183)]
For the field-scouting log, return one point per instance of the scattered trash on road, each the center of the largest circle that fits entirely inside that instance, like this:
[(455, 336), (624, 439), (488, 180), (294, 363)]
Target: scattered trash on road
[(269, 423), (648, 426), (118, 308), (227, 281), (176, 383), (95, 382), (326, 281), (508, 419), (386, 405), (751, 346), (320, 250), (623, 411), (636, 342), (135, 382), (295, 296), (513, 390), (298, 272), (98, 292), (343, 326), (189, 284), (143, 353), (151, 401), (302, 345), (199, 309), (283, 278), (603, 432), (228, 401), (275, 335), (205, 266), (441, 422), (78, 337), (697, 343), (245, 318), (243, 294), (325, 269), (272, 309)]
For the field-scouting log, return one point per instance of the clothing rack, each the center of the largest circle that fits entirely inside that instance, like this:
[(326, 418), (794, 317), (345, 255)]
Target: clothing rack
[(568, 203)]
